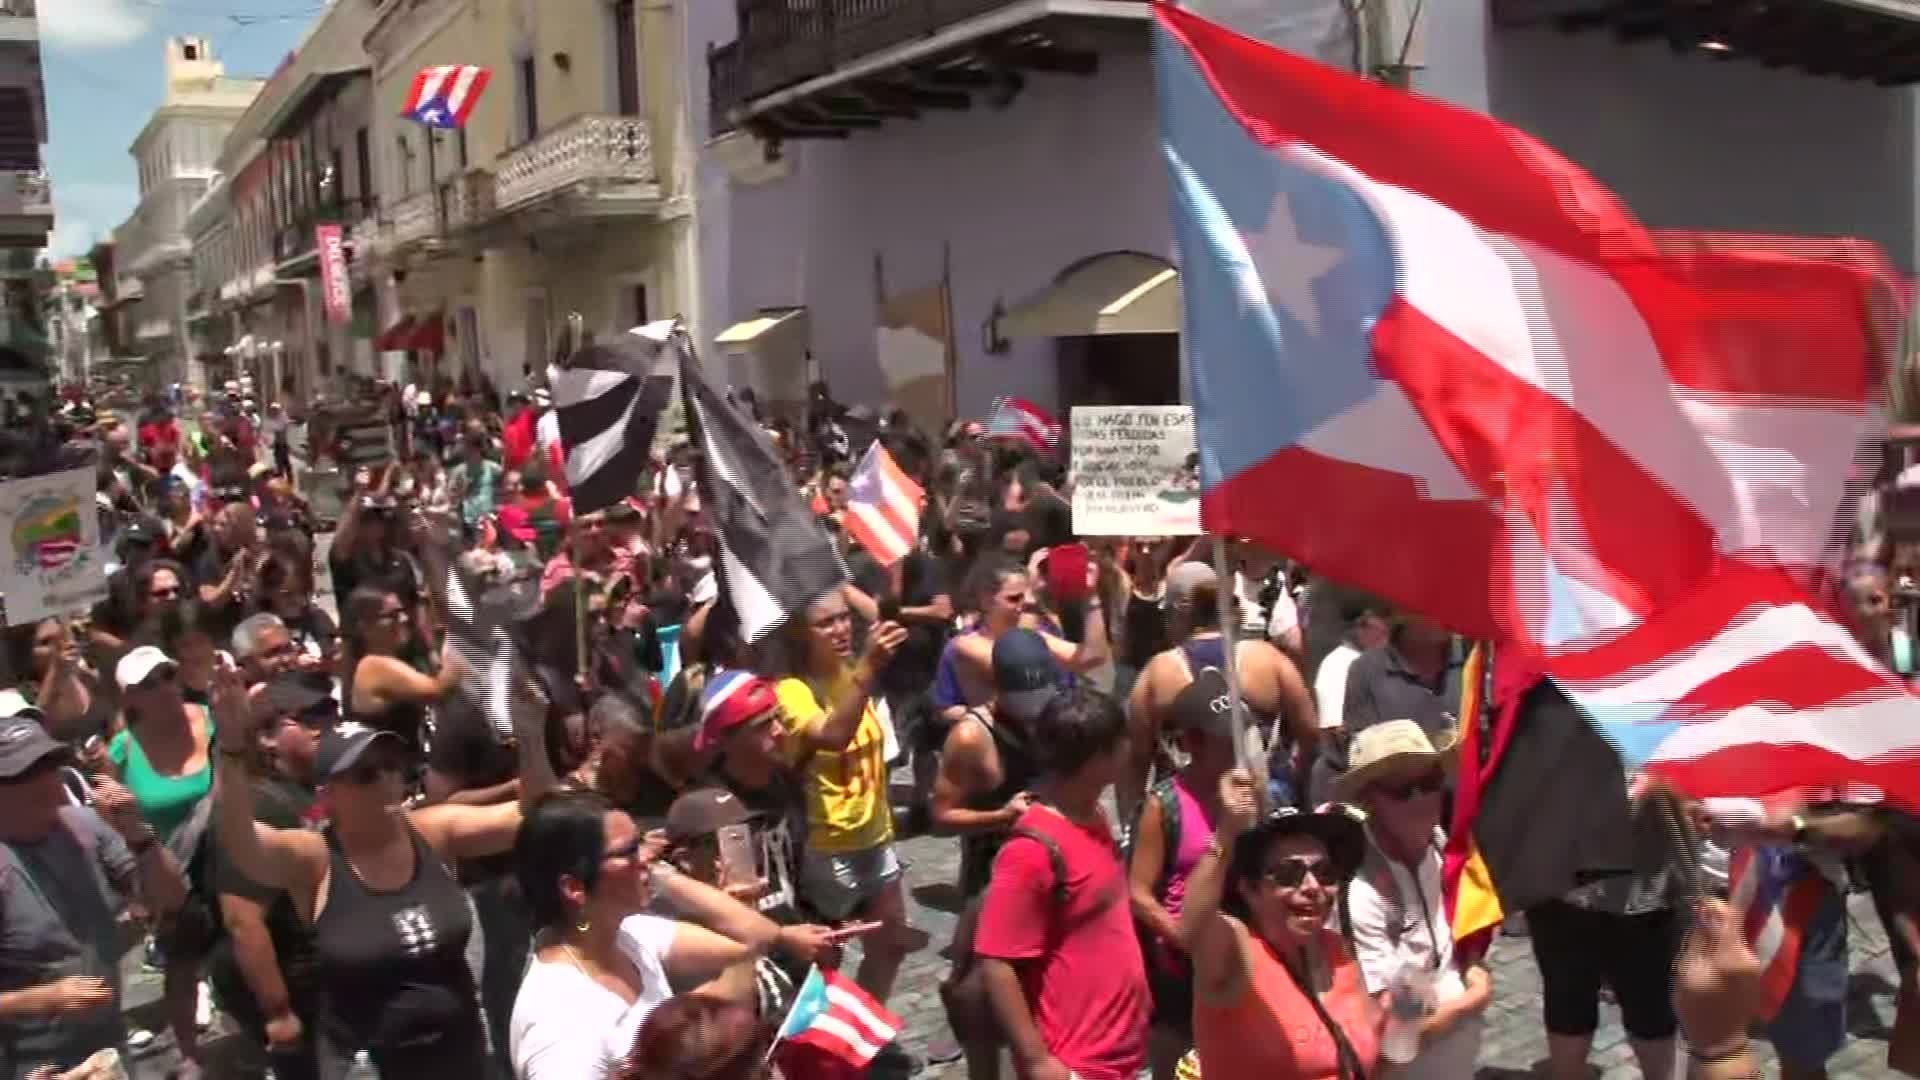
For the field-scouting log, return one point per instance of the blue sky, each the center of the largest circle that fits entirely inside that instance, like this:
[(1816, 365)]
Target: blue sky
[(103, 65)]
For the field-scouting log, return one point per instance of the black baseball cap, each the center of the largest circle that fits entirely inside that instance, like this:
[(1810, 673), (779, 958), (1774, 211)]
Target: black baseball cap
[(342, 748), (703, 812), (24, 744), (1025, 674), (301, 694)]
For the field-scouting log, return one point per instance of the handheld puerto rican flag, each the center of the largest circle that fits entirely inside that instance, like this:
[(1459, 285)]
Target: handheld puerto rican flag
[(832, 1013), (444, 96), (1023, 421), (883, 509), (1780, 894)]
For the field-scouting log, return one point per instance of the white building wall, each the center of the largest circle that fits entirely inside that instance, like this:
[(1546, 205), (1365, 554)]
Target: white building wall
[(1695, 142)]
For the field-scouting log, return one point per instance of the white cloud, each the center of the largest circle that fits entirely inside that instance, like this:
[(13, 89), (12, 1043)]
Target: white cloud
[(93, 24)]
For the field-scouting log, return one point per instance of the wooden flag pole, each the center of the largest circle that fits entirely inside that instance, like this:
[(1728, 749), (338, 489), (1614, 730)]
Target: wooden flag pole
[(576, 332)]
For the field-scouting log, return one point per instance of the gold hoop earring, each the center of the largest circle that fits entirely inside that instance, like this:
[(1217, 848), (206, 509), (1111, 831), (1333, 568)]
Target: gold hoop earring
[(585, 924)]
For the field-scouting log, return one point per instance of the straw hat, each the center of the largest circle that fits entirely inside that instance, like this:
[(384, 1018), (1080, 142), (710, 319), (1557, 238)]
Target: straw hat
[(1392, 747)]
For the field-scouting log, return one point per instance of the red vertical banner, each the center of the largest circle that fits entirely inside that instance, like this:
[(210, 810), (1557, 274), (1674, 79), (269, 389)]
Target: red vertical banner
[(328, 241)]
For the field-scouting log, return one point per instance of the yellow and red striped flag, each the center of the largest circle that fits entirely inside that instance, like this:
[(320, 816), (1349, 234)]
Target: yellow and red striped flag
[(883, 507), (1472, 904)]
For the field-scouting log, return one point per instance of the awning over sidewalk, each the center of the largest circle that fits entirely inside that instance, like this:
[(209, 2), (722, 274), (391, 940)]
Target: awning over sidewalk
[(767, 329), (429, 335), (1120, 292), (394, 338)]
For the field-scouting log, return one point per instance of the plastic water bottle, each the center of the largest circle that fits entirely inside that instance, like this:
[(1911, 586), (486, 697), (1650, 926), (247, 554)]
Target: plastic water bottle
[(1411, 999)]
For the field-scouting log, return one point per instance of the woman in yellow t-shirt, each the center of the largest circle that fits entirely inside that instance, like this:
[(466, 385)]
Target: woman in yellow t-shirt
[(837, 745)]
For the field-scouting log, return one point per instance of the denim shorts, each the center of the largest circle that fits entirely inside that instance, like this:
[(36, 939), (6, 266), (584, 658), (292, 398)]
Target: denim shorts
[(836, 884)]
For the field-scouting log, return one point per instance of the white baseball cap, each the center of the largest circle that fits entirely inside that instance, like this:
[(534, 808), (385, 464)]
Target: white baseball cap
[(140, 664)]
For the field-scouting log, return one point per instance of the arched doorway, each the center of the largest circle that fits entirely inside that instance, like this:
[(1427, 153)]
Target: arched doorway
[(1115, 321)]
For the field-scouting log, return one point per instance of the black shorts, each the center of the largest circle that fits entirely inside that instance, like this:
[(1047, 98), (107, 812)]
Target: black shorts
[(1577, 951)]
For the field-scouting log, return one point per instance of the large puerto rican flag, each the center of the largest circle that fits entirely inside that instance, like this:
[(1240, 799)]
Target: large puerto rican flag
[(1434, 359)]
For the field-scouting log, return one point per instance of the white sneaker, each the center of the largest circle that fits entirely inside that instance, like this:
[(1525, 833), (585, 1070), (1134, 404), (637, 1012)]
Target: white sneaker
[(203, 1007)]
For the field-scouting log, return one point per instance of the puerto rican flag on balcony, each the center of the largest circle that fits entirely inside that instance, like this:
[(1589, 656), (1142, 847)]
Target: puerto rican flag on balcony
[(445, 96), (1433, 359)]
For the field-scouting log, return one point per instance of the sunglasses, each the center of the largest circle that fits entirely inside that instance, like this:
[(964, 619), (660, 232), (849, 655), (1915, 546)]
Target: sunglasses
[(1292, 873), (393, 615), (1429, 784), (164, 592), (156, 680), (625, 851)]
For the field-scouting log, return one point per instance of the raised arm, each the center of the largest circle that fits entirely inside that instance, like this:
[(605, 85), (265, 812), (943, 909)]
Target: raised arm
[(274, 858), (1210, 935)]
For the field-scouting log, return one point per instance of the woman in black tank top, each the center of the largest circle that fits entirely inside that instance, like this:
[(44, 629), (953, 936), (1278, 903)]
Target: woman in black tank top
[(382, 691), (390, 924)]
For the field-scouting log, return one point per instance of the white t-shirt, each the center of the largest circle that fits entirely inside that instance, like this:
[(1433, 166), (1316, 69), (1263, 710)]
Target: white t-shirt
[(546, 430), (1330, 685), (1396, 913), (568, 1027)]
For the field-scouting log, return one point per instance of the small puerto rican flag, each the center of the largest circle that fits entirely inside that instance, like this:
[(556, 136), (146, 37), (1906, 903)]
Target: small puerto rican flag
[(1023, 421), (1781, 893), (832, 1013), (444, 96)]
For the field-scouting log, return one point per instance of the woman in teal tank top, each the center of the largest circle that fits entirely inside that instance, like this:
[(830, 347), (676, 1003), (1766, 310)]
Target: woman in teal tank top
[(165, 758), (163, 754)]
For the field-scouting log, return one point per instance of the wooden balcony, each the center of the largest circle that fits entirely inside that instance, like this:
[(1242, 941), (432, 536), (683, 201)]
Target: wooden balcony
[(1876, 40), (826, 67)]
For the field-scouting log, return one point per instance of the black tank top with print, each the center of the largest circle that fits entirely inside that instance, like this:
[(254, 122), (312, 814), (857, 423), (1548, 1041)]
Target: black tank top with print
[(393, 965)]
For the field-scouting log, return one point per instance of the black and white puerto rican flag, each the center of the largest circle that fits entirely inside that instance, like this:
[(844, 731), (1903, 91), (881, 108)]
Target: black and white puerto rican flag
[(607, 399), (774, 557), (481, 609)]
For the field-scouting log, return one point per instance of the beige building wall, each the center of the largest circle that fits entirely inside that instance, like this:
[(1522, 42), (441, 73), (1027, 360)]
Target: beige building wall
[(522, 274)]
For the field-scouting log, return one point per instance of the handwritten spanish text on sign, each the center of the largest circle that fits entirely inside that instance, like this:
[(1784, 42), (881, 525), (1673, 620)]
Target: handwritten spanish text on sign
[(1135, 471)]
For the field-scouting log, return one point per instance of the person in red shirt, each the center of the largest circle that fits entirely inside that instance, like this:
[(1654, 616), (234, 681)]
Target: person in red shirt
[(160, 439), (1056, 940), (517, 436)]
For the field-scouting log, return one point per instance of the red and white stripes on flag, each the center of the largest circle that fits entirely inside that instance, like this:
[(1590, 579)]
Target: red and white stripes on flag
[(1745, 688), (445, 96), (1780, 894), (833, 1013), (883, 508), (1023, 421)]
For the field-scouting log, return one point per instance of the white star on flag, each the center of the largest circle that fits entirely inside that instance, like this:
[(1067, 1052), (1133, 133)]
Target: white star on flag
[(1284, 267)]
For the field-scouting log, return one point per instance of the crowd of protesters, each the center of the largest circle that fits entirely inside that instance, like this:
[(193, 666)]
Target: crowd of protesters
[(323, 838)]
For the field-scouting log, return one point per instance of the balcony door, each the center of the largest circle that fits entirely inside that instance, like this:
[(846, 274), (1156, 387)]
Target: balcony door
[(626, 57), (539, 351)]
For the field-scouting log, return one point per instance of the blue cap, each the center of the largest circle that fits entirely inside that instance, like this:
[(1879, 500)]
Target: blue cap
[(1025, 674)]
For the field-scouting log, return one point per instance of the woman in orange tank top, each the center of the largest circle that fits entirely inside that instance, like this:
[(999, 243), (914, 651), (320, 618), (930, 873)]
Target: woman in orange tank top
[(1276, 994)]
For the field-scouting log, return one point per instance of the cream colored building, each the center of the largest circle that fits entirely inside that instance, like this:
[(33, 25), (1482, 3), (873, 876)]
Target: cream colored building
[(567, 190), (176, 154)]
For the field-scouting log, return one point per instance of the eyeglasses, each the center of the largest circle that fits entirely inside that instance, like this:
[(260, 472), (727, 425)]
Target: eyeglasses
[(1428, 784), (1292, 873), (392, 615)]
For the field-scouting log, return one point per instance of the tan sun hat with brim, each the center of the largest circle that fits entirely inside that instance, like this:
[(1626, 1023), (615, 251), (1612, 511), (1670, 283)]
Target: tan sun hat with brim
[(1397, 746)]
